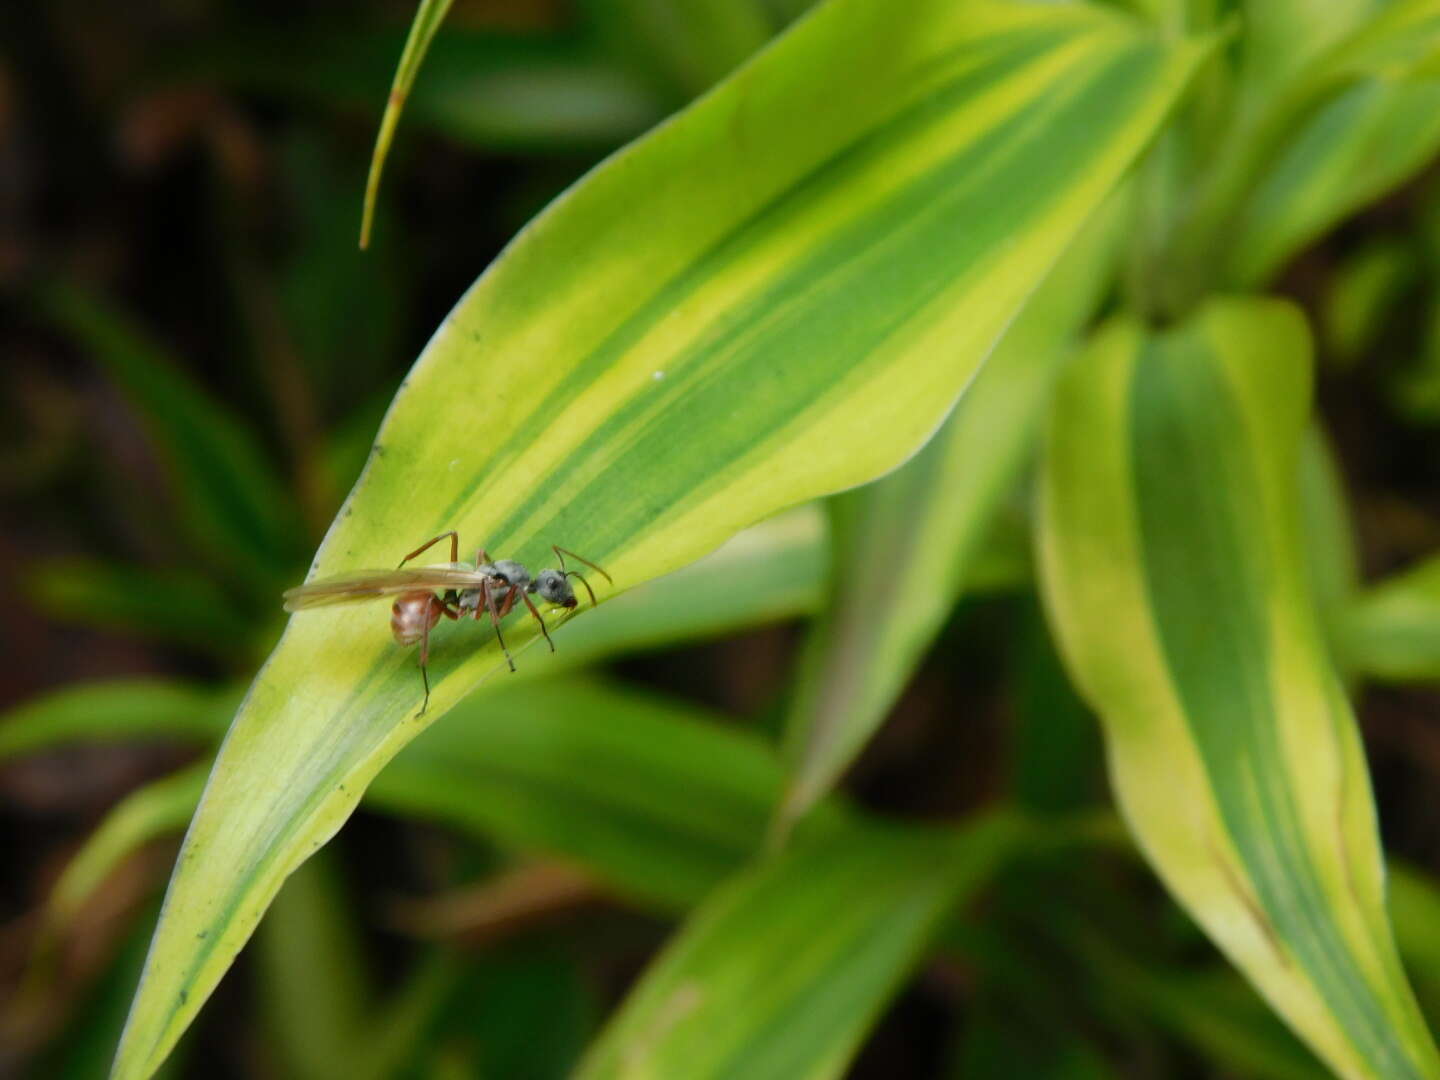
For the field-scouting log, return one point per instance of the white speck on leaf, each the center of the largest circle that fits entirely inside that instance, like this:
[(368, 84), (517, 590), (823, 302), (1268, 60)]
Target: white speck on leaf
[(658, 376)]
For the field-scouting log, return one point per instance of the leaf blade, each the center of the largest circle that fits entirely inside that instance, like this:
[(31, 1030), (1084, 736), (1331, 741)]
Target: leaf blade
[(780, 972), (1174, 574), (1349, 152), (112, 711), (227, 494), (906, 544), (1391, 632)]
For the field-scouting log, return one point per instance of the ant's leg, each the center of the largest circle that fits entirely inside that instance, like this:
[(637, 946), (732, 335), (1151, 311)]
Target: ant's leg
[(482, 557), (509, 601), (536, 612), (454, 547), (424, 660), (560, 554), (495, 621)]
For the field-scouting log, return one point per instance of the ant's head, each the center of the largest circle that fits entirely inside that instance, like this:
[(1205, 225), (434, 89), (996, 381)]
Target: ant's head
[(554, 587)]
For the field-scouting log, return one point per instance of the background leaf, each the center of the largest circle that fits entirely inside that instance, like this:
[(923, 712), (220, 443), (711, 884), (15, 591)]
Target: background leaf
[(1367, 288), (1173, 571), (658, 805), (1392, 631), (112, 711), (905, 545), (658, 799), (546, 93), (1414, 897), (1282, 35), (315, 992), (227, 496), (1332, 107), (160, 808), (781, 971), (1353, 150), (688, 46), (1331, 560), (172, 605)]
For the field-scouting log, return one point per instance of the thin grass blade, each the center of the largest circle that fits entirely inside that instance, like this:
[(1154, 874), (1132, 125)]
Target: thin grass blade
[(428, 17)]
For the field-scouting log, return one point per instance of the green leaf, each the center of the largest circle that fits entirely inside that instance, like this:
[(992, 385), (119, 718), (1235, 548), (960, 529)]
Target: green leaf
[(1392, 630), (1341, 111), (1211, 1011), (160, 808), (655, 798), (1281, 36), (782, 970), (335, 318), (311, 976), (174, 605), (997, 1046), (1415, 908), (1364, 292), (477, 774), (83, 1050), (638, 791), (1401, 41), (1331, 562), (1221, 1017), (519, 92), (775, 295), (226, 495), (484, 1022), (1414, 391), (1354, 149), (404, 1024), (904, 545), (115, 711), (1174, 573), (1055, 756), (533, 97), (428, 17), (687, 45), (1352, 123)]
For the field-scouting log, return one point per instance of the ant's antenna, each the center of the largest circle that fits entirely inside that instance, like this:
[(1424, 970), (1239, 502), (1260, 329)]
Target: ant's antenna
[(560, 554)]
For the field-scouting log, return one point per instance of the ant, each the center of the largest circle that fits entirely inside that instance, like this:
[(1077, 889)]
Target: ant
[(453, 590)]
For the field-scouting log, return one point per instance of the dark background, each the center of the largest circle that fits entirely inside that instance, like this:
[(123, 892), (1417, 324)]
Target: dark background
[(185, 178)]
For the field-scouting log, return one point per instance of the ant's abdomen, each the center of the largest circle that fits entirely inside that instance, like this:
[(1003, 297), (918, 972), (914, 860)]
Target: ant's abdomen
[(412, 615)]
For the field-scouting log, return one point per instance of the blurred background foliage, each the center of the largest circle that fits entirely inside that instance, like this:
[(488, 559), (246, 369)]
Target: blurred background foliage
[(196, 359)]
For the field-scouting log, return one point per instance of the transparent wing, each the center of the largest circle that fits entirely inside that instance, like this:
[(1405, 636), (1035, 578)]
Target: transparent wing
[(369, 584)]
